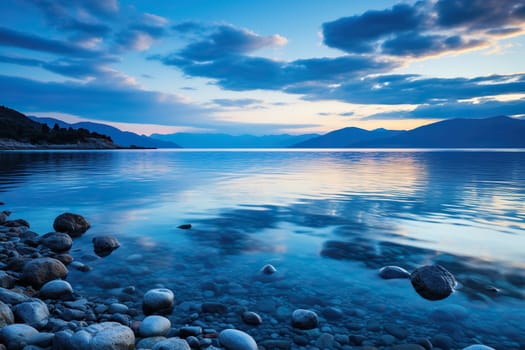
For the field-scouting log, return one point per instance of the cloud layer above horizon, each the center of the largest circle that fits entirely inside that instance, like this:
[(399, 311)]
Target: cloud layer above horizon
[(74, 57)]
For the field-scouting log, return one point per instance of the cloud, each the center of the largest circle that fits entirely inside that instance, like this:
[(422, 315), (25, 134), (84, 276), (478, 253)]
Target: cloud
[(483, 109), (32, 42), (223, 41), (426, 28), (141, 33), (241, 102), (346, 114), (413, 89), (97, 101)]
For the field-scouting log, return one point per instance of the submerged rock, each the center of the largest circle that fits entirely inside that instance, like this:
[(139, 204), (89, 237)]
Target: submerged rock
[(73, 224), (184, 226), (268, 269), (391, 272), (251, 318), (105, 245), (478, 347), (57, 241), (159, 300), (41, 270), (433, 282), (233, 339), (304, 319)]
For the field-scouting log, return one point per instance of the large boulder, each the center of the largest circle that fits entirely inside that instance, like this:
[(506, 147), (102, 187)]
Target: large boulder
[(33, 313), (433, 282), (159, 300), (73, 224), (233, 339), (57, 241), (15, 335), (105, 245), (304, 319), (39, 271)]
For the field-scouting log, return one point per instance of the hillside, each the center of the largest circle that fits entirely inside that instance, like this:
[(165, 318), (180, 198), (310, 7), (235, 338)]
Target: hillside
[(495, 132), (121, 138), (342, 138), (19, 131), (195, 140)]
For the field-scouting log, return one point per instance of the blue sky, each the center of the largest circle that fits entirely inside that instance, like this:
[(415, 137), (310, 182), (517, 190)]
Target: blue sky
[(262, 67)]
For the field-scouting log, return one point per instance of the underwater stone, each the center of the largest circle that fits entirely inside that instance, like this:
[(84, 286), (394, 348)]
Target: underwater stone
[(433, 282)]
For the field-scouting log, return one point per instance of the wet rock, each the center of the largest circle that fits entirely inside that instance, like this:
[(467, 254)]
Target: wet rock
[(332, 313), (172, 344), (153, 326), (56, 289), (433, 282), (105, 245), (184, 226), (189, 331), (251, 318), (304, 319), (424, 342), (73, 224), (39, 271), (57, 241), (110, 336), (233, 339), (478, 347), (268, 269), (33, 313), (15, 335), (11, 297), (6, 280), (159, 300), (392, 272), (148, 343), (3, 217), (17, 223), (442, 341), (6, 315)]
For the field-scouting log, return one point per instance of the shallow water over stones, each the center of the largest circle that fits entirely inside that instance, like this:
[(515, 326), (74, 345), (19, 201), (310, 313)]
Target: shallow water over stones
[(327, 222)]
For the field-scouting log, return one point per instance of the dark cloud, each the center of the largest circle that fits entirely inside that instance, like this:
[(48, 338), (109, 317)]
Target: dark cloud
[(359, 34), (483, 109), (223, 41), (241, 102), (97, 101), (411, 89), (17, 39), (418, 30), (141, 33)]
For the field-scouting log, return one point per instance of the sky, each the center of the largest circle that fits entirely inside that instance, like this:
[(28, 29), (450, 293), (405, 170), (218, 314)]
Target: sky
[(263, 66)]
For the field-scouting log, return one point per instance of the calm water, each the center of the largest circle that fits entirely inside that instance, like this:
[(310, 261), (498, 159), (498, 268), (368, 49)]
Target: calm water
[(326, 220)]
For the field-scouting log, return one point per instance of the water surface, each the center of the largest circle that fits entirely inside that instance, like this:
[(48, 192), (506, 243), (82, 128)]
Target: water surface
[(327, 220)]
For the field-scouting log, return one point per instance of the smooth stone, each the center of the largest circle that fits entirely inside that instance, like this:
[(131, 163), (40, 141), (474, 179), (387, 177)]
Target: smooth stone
[(268, 269), (408, 347), (148, 343), (105, 245), (251, 318), (391, 272), (111, 336), (39, 271), (234, 339), (159, 300), (118, 308), (33, 313), (397, 331), (9, 297), (173, 344), (478, 347), (57, 241), (56, 289), (184, 226), (189, 331), (73, 224), (6, 315), (153, 326), (304, 319), (433, 282), (6, 280), (15, 335), (41, 339), (442, 341), (332, 313)]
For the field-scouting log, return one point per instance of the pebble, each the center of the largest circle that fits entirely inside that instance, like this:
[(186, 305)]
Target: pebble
[(251, 318), (478, 347), (15, 335), (304, 319), (6, 315), (39, 271), (172, 344), (73, 224), (105, 245), (33, 313), (159, 300), (233, 339), (393, 272), (153, 326), (433, 282), (56, 289)]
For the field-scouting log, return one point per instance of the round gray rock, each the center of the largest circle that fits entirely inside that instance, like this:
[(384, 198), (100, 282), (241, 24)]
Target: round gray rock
[(111, 336), (73, 224), (392, 272), (6, 315), (478, 347), (33, 313), (56, 289), (433, 282), (304, 319), (172, 344), (153, 326), (16, 335), (251, 318), (234, 339), (57, 241), (159, 300), (39, 271), (104, 245)]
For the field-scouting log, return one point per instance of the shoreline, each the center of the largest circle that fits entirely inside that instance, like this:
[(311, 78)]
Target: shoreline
[(13, 145)]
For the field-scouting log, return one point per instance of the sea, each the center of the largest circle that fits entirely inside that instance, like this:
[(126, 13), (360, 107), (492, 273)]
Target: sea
[(327, 220)]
